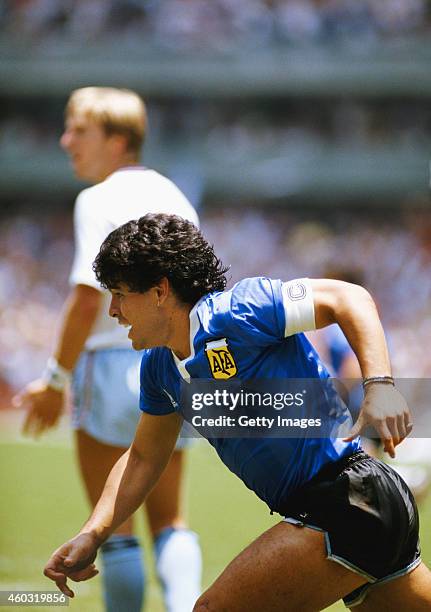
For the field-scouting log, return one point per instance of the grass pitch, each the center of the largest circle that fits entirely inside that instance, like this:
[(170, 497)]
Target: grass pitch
[(43, 505)]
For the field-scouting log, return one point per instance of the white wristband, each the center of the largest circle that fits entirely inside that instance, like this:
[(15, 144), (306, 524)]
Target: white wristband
[(55, 375)]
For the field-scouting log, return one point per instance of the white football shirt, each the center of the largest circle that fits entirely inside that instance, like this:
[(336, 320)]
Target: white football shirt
[(128, 193)]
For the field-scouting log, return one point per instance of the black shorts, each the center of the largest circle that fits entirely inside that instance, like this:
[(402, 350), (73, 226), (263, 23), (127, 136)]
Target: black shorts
[(368, 515)]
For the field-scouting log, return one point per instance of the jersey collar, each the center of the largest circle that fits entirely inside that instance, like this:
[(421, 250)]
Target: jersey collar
[(194, 328)]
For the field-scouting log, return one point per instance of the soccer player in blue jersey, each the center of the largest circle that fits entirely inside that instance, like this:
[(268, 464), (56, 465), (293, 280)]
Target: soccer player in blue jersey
[(351, 526)]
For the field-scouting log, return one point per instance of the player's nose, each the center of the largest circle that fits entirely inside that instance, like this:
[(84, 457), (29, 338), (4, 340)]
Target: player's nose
[(66, 140), (114, 307)]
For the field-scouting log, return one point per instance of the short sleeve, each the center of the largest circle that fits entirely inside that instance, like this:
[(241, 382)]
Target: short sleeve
[(267, 311), (91, 229), (257, 310), (154, 399)]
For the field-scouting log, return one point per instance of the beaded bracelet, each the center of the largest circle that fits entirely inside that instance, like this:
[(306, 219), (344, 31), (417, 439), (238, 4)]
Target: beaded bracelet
[(386, 380)]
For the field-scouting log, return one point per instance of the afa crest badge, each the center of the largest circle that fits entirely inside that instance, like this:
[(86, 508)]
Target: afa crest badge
[(220, 359)]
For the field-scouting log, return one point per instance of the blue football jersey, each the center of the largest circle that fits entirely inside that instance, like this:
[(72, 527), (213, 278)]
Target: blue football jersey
[(250, 323)]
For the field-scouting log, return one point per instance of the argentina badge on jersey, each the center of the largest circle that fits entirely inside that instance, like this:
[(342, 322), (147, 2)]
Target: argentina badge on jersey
[(221, 361)]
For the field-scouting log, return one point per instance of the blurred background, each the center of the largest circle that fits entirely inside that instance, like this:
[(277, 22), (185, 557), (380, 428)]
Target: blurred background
[(301, 129)]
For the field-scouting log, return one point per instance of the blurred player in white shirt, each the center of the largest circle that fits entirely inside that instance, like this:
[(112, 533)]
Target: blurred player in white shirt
[(103, 136)]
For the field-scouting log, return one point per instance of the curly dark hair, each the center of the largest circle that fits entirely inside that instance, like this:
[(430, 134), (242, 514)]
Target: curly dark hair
[(140, 253)]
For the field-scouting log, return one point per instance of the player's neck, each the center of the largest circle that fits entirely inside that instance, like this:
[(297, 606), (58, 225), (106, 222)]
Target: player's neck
[(118, 164), (179, 341)]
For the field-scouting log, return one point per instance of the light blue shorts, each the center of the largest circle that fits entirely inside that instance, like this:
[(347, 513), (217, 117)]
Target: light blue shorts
[(105, 391)]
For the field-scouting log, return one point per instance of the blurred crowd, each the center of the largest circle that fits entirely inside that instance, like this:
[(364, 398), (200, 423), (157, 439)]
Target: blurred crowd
[(392, 255), (35, 256), (213, 24), (240, 130)]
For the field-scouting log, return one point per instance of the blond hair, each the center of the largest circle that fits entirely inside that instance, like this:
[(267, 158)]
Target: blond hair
[(117, 111)]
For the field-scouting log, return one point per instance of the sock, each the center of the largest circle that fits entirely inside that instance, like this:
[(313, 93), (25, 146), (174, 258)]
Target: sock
[(179, 567), (123, 574)]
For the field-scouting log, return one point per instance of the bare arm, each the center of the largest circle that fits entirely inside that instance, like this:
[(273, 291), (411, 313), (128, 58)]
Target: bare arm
[(128, 484), (80, 311), (354, 310), (44, 403), (135, 474)]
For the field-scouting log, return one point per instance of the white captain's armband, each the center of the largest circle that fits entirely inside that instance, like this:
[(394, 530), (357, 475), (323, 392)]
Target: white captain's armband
[(298, 306)]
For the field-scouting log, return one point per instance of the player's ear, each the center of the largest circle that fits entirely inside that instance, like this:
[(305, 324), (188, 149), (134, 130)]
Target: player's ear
[(162, 290), (118, 144)]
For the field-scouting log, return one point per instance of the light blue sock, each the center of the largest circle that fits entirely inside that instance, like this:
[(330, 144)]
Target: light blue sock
[(123, 574), (179, 567)]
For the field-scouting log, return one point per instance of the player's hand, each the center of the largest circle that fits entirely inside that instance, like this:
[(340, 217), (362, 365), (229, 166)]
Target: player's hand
[(385, 409), (44, 406), (74, 560)]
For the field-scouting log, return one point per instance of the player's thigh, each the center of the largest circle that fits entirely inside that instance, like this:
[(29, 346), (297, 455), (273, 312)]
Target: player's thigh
[(285, 569), (411, 593), (163, 505), (96, 460)]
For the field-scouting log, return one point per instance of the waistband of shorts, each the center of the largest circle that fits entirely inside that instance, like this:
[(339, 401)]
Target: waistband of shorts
[(330, 471), (335, 468)]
